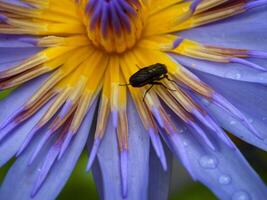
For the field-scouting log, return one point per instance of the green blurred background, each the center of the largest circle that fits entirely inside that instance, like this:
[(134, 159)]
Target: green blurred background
[(81, 185)]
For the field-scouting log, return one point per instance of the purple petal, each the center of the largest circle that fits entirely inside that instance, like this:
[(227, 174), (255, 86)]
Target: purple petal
[(249, 98), (21, 177), (14, 41), (124, 172), (224, 171), (159, 179), (93, 153), (16, 54), (244, 31), (158, 147), (107, 170), (15, 2), (17, 98), (40, 145), (65, 144), (48, 163), (10, 57), (11, 143), (229, 71)]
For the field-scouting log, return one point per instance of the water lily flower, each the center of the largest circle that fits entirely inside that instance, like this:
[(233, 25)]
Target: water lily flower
[(68, 61)]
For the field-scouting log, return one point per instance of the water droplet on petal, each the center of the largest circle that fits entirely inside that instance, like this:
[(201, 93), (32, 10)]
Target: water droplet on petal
[(208, 162), (181, 130), (185, 143), (225, 179), (233, 74), (233, 122), (261, 77), (241, 195), (206, 102), (238, 76)]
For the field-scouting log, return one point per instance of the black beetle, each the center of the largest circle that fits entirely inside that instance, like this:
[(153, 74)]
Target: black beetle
[(150, 75)]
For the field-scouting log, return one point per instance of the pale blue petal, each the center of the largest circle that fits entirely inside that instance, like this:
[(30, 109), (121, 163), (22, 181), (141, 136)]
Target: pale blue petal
[(18, 183), (11, 144), (107, 170), (19, 96), (248, 98), (16, 41), (224, 171), (16, 54), (226, 70), (10, 57), (15, 2), (244, 31), (159, 180)]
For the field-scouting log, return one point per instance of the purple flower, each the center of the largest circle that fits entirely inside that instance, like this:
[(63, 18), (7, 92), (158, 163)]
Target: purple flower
[(68, 61)]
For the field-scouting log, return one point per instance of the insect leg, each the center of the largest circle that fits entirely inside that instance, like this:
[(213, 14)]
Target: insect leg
[(167, 77), (159, 83), (147, 91)]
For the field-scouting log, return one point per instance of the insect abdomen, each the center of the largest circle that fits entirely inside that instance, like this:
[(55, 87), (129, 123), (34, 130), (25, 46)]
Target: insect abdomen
[(148, 75)]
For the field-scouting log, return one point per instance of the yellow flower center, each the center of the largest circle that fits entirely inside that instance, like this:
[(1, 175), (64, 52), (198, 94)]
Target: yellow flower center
[(111, 27)]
